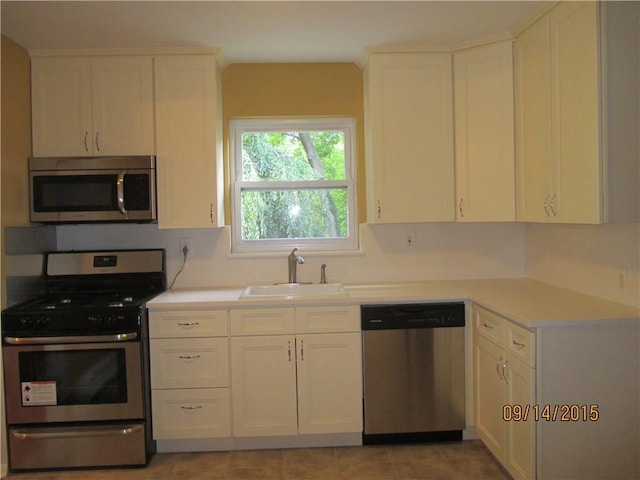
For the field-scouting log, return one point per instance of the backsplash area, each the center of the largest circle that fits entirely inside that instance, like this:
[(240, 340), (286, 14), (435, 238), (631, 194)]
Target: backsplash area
[(591, 259), (600, 260), (441, 251), (24, 260)]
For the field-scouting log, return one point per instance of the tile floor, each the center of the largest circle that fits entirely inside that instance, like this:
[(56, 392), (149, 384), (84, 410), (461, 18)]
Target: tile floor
[(456, 460)]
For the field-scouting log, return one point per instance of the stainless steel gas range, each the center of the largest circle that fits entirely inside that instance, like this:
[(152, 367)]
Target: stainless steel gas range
[(76, 362)]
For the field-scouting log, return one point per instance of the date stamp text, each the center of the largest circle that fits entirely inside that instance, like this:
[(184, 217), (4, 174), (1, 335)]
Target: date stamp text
[(550, 413)]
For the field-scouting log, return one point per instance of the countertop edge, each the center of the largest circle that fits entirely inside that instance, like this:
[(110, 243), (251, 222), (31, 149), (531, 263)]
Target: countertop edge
[(529, 303)]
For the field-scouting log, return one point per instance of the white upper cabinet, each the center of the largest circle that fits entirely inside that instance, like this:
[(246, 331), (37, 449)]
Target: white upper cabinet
[(89, 106), (409, 135), (189, 142), (577, 114), (484, 133)]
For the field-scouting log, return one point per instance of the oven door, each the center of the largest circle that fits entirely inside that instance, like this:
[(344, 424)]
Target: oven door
[(73, 381), (93, 195)]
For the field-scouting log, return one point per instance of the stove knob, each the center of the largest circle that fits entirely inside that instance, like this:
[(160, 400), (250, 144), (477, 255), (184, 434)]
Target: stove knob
[(42, 322), (27, 322)]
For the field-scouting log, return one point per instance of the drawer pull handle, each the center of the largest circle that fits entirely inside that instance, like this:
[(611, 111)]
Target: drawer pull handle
[(518, 344), (486, 325), (189, 357), (188, 324), (197, 407)]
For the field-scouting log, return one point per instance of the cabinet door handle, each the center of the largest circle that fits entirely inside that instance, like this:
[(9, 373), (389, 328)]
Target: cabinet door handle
[(498, 363), (188, 324), (552, 203), (546, 205), (289, 350), (98, 141), (518, 344), (197, 407), (379, 210), (504, 374), (189, 357), (302, 350), (86, 146), (460, 208), (486, 325), (211, 212)]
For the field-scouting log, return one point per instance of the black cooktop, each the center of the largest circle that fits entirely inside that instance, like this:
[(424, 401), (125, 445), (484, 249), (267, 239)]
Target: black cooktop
[(91, 293)]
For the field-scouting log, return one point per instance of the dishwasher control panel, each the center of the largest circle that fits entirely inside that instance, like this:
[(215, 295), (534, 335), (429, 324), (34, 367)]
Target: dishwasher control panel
[(413, 315)]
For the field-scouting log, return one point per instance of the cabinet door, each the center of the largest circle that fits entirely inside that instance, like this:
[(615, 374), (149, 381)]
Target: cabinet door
[(410, 138), (122, 98), (61, 107), (263, 379), (575, 114), (520, 436), (484, 134), (535, 166), (489, 395), (189, 148), (329, 383)]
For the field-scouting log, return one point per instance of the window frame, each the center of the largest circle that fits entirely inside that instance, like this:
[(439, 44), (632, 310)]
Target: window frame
[(239, 126)]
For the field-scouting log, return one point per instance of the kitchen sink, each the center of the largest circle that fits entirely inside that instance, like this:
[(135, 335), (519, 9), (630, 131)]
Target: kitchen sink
[(293, 290)]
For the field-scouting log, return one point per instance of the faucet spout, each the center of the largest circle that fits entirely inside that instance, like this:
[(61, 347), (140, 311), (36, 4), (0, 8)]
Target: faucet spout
[(294, 259)]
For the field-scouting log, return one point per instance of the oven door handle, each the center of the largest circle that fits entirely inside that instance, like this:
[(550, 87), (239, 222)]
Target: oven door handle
[(118, 337), (120, 192), (94, 432)]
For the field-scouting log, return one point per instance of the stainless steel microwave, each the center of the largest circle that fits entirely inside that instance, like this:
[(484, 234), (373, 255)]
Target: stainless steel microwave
[(92, 189)]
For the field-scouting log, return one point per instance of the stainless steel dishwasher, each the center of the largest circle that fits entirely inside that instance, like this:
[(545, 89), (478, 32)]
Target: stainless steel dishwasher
[(414, 375)]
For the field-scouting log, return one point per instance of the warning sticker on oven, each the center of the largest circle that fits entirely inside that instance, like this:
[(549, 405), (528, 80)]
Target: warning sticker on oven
[(39, 393)]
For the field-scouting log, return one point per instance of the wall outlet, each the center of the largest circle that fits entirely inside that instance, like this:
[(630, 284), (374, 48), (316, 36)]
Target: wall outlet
[(409, 241), (622, 280), (185, 243)]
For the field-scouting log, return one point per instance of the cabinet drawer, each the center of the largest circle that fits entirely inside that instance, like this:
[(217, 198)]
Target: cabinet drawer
[(328, 319), (520, 342), (262, 321), (190, 363), (191, 413), (188, 323), (489, 325)]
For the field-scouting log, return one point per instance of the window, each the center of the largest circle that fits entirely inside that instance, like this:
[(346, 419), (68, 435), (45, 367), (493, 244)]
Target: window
[(293, 184)]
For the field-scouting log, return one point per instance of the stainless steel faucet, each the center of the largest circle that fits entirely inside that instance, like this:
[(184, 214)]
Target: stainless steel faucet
[(294, 260)]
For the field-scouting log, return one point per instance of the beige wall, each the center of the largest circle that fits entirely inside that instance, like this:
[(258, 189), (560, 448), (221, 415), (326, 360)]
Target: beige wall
[(295, 89), (16, 133)]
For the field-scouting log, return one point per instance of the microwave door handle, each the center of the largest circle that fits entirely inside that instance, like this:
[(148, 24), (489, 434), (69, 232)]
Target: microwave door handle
[(120, 191)]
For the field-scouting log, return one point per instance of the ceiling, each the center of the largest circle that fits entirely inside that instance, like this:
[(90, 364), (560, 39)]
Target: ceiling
[(259, 31)]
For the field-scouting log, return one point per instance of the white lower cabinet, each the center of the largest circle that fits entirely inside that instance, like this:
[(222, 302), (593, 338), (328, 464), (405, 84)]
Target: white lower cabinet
[(190, 392), (560, 401), (294, 383), (225, 379), (504, 383)]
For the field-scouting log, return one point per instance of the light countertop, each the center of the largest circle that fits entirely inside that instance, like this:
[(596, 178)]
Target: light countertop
[(527, 302)]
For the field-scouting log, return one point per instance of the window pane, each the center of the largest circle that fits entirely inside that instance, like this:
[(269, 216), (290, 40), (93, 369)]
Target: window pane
[(293, 155), (318, 213)]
